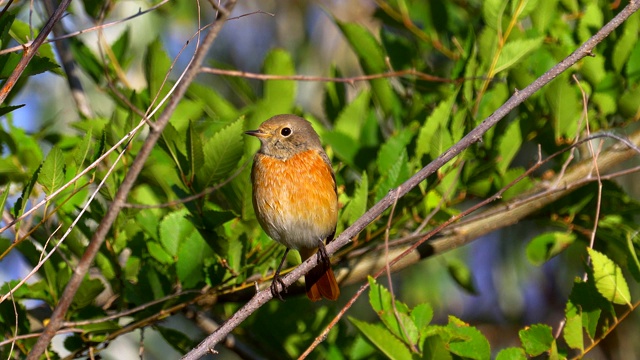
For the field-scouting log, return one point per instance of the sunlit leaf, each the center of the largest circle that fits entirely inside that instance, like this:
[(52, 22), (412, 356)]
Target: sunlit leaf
[(609, 279)]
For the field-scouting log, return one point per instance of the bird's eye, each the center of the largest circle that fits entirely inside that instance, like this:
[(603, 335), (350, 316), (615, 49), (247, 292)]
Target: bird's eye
[(285, 131)]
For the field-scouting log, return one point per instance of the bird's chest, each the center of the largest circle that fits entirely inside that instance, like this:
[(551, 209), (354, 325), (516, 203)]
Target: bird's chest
[(295, 199)]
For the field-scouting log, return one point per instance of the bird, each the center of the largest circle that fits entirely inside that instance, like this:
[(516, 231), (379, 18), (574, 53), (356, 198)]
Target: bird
[(295, 198)]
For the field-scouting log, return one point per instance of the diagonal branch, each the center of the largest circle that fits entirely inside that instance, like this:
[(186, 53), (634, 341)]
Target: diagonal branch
[(136, 167), (30, 50), (207, 345)]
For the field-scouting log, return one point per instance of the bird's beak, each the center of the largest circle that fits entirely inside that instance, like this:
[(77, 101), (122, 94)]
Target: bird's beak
[(256, 133)]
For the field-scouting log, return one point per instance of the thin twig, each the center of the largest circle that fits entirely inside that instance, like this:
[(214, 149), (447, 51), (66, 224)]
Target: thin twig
[(348, 80), (29, 51)]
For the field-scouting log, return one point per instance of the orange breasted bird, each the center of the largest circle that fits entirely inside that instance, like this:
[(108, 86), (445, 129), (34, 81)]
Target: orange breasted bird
[(295, 199)]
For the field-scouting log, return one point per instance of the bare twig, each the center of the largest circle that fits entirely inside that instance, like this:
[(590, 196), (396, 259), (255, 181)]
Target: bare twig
[(349, 80), (29, 51), (124, 189)]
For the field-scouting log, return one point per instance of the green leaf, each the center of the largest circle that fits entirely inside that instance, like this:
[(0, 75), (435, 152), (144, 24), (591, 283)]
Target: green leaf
[(222, 153), (566, 107), (536, 339), (195, 153), (279, 95), (461, 274), (174, 228), (572, 332), (511, 354), (53, 170), (632, 70), (358, 204), (609, 279), (87, 60), (87, 293), (545, 246), (438, 118), (159, 253), (177, 339), (435, 348), (508, 146), (514, 51), (422, 315), (492, 11), (352, 118), (190, 266), (215, 106), (467, 341), (156, 69), (37, 65), (7, 109), (383, 340), (398, 322), (372, 59), (391, 150), (81, 152), (587, 301), (174, 145)]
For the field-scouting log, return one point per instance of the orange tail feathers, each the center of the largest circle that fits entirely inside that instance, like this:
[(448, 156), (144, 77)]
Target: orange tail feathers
[(320, 281)]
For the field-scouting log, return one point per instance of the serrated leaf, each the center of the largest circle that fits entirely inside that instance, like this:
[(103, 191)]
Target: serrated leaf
[(545, 246), (536, 339), (383, 340), (511, 354), (52, 173), (398, 322), (392, 149), (461, 274), (492, 11), (572, 332), (222, 153), (422, 315), (514, 51), (609, 279), (467, 341)]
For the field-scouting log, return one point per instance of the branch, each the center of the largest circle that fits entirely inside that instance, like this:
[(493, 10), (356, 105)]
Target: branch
[(349, 80), (126, 186), (30, 50), (493, 218), (207, 345)]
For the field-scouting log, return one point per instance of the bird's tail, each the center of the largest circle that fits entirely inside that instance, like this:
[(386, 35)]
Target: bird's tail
[(320, 281)]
